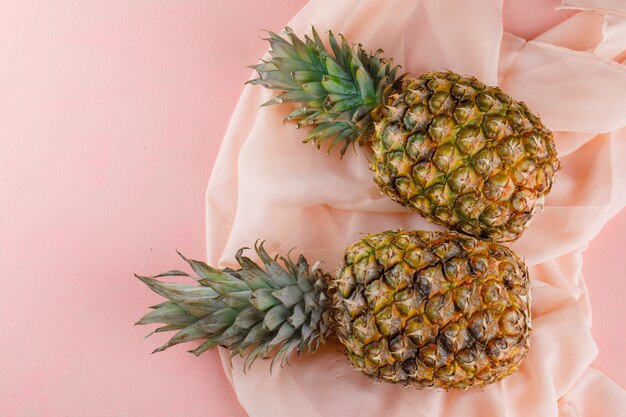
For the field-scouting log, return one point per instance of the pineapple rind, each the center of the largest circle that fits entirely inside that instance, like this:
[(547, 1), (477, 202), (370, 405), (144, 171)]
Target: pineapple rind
[(463, 155), (434, 310)]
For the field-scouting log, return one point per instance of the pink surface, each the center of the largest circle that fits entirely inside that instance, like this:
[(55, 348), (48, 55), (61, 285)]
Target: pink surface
[(110, 121)]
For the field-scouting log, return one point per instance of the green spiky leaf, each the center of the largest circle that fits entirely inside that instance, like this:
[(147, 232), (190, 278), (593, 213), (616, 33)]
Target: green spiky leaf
[(257, 310), (329, 84)]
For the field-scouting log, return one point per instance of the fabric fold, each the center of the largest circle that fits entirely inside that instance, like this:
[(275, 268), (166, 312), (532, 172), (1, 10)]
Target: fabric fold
[(606, 6), (570, 90)]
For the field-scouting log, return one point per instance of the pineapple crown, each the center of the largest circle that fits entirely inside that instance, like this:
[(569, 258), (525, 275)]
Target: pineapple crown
[(337, 91), (251, 311)]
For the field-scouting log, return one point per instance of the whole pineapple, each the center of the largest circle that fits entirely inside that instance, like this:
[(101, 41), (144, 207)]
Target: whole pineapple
[(460, 153), (427, 309)]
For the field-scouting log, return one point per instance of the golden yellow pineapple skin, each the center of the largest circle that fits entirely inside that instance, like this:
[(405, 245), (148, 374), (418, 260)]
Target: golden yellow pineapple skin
[(463, 155), (432, 309)]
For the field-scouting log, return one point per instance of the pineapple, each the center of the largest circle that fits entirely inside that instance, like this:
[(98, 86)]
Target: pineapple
[(426, 309), (462, 154)]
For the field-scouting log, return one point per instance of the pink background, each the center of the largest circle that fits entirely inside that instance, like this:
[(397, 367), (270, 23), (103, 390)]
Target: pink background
[(111, 117)]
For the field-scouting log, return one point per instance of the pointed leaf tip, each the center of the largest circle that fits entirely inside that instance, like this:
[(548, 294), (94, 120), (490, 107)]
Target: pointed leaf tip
[(161, 348), (181, 255), (146, 280)]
